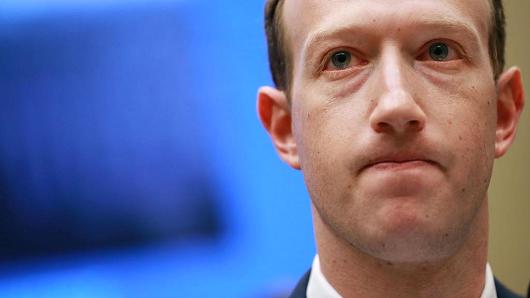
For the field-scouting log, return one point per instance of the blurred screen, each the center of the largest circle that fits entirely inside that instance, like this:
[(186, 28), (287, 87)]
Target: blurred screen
[(132, 162), (101, 141)]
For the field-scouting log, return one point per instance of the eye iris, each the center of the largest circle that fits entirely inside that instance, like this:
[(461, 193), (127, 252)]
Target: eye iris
[(341, 59), (439, 51)]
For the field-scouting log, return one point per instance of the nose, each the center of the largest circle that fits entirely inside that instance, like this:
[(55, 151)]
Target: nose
[(396, 110)]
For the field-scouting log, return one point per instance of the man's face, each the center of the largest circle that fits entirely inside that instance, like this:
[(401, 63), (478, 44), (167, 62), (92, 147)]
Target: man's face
[(394, 116)]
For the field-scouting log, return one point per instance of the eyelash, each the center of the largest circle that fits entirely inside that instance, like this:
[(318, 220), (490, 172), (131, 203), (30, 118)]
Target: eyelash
[(354, 56), (457, 49)]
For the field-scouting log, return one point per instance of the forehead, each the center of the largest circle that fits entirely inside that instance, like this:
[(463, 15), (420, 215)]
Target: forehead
[(303, 19)]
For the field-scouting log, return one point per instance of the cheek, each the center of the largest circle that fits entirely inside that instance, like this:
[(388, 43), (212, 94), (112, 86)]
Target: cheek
[(325, 137), (314, 132), (464, 110), (470, 134), (475, 119)]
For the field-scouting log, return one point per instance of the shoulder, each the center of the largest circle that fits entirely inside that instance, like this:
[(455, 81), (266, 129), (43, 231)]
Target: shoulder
[(301, 287), (503, 291)]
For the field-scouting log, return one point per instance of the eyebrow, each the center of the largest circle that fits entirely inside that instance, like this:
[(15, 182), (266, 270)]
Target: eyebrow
[(359, 32)]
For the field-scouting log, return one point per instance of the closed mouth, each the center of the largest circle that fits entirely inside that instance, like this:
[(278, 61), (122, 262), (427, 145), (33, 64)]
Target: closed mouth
[(399, 164)]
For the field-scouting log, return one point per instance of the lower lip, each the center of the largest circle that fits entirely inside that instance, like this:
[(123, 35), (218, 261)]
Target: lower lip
[(400, 166)]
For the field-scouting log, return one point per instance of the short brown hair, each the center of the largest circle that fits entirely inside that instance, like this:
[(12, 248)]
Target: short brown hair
[(280, 59)]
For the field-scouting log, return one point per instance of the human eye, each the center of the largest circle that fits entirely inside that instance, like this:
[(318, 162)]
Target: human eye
[(342, 60), (339, 60), (440, 51)]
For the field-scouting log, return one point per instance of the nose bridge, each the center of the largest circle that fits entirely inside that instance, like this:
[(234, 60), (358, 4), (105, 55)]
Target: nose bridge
[(392, 68), (396, 109)]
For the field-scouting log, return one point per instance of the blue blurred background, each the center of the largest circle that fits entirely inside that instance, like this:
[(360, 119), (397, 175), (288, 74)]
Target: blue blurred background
[(132, 163)]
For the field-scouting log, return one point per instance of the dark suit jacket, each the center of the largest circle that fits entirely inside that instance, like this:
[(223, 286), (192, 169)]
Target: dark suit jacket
[(300, 289)]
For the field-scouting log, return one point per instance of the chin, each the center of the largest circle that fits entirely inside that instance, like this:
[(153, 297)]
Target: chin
[(417, 249), (410, 239)]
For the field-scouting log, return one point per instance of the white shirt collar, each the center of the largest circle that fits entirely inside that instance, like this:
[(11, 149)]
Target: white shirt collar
[(319, 287), (489, 287)]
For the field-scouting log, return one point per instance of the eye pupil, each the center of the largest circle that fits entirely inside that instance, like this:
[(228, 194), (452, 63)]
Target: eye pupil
[(341, 59), (439, 51)]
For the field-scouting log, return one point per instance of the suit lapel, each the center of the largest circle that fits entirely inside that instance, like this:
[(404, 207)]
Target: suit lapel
[(301, 288)]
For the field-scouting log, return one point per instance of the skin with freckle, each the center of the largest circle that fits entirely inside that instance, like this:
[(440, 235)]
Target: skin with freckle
[(403, 216), (394, 116)]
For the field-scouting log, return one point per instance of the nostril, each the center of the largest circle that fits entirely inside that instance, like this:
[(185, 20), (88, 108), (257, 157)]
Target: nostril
[(416, 124), (383, 126)]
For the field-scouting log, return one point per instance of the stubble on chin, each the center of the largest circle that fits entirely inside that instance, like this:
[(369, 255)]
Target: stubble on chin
[(415, 242)]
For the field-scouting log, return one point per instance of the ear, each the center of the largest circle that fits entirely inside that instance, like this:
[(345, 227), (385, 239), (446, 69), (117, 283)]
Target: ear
[(275, 115), (510, 103)]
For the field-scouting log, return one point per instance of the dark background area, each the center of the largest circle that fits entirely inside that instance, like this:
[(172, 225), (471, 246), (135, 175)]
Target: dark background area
[(101, 138), (132, 163)]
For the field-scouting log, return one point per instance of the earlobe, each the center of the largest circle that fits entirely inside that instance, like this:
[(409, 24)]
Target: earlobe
[(510, 103), (275, 115)]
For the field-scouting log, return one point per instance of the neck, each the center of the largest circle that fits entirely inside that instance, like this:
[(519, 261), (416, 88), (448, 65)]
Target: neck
[(354, 273)]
